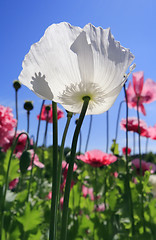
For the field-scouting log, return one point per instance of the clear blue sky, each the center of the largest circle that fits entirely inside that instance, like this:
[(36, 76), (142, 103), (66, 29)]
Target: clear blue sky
[(23, 23)]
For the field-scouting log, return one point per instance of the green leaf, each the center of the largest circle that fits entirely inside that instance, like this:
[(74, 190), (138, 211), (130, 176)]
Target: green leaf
[(14, 166), (31, 218), (115, 148)]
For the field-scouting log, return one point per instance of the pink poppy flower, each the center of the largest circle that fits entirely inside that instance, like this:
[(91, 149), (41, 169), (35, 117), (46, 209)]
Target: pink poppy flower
[(49, 196), (61, 202), (97, 158), (49, 118), (124, 151), (87, 191), (20, 146), (7, 124), (133, 125), (115, 174), (145, 92), (64, 173), (13, 183), (65, 168), (146, 166), (152, 132)]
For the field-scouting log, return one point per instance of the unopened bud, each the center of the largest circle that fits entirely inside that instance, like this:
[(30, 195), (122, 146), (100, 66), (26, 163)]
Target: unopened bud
[(16, 84), (28, 105), (48, 107)]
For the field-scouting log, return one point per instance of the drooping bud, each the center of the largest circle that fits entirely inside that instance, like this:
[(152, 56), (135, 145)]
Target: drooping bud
[(16, 84), (28, 105), (25, 160)]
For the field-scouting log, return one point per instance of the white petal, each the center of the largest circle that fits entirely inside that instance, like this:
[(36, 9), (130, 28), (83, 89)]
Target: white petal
[(111, 60), (52, 57), (85, 57)]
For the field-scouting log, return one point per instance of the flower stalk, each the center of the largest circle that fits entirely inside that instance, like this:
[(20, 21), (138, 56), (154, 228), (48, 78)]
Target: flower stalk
[(90, 126), (53, 222), (37, 136), (127, 170), (70, 169), (141, 172)]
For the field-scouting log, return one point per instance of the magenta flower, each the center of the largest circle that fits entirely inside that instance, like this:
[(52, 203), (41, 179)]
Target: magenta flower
[(13, 183), (49, 118), (97, 158), (140, 91), (7, 124), (146, 166), (124, 151), (133, 125)]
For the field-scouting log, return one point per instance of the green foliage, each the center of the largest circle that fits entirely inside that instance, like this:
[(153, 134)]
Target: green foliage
[(30, 220)]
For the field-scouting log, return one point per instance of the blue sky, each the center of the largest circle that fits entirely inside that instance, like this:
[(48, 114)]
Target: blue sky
[(23, 23)]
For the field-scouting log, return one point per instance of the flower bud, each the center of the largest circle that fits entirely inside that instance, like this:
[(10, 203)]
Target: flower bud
[(25, 160), (28, 105), (16, 84), (48, 107)]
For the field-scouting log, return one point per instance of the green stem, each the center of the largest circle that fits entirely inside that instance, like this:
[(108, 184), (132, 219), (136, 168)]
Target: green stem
[(107, 130), (133, 143), (69, 116), (7, 179), (141, 173), (16, 103), (127, 169), (70, 169), (28, 121), (117, 122), (37, 136), (146, 148), (90, 125), (52, 230)]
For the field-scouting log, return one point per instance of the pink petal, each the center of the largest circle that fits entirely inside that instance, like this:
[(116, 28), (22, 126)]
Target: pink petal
[(138, 81)]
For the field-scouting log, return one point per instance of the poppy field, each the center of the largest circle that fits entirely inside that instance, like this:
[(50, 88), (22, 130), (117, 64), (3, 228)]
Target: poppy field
[(59, 192)]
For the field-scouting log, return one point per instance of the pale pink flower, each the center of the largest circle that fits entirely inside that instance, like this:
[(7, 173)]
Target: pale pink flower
[(13, 183), (49, 118), (97, 158), (144, 92), (87, 192), (49, 196), (100, 207), (7, 124), (115, 174), (152, 132), (146, 166), (64, 173), (133, 125)]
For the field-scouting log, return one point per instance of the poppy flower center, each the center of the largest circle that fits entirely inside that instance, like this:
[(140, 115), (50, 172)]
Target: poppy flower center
[(75, 93)]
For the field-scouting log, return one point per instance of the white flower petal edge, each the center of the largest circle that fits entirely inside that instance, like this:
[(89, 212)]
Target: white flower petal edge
[(69, 63)]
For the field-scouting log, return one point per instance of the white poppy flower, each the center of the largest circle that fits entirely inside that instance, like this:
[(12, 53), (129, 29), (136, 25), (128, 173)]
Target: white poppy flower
[(69, 63)]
